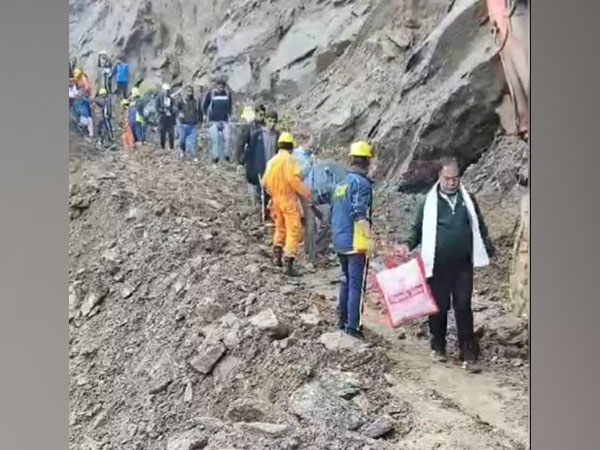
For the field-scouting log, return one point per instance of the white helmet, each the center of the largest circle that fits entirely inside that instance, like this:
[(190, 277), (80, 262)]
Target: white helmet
[(166, 87)]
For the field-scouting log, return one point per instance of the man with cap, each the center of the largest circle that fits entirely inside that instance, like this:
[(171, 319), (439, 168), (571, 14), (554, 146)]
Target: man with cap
[(283, 182), (165, 106), (351, 211)]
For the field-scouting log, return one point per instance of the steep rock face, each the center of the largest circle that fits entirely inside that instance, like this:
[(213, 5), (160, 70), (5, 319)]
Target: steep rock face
[(348, 69)]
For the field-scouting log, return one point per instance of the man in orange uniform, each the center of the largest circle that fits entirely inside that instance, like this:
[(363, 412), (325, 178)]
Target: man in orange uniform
[(128, 141), (283, 182)]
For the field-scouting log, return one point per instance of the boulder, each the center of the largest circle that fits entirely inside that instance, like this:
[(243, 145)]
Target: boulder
[(208, 355), (267, 321), (318, 405)]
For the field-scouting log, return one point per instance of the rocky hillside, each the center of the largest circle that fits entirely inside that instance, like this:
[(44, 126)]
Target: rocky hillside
[(350, 69), (182, 334)]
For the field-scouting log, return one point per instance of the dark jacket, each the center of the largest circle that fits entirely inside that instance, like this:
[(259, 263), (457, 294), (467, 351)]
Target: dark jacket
[(253, 154), (165, 112), (105, 106), (454, 238), (217, 105), (192, 113), (352, 202)]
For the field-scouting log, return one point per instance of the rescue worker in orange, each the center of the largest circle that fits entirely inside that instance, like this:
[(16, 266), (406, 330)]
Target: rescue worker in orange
[(283, 182), (128, 141)]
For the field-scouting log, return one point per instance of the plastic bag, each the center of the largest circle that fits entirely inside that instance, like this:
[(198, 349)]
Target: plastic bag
[(406, 294)]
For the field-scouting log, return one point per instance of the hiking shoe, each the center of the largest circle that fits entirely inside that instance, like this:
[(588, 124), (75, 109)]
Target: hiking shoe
[(181, 154), (354, 333), (471, 366), (290, 271), (438, 356)]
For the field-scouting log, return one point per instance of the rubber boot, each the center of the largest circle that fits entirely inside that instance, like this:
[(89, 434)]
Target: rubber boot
[(289, 268), (277, 255)]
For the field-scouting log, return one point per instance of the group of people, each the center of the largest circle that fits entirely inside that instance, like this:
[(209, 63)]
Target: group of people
[(280, 173), (82, 97), (448, 226), (181, 116)]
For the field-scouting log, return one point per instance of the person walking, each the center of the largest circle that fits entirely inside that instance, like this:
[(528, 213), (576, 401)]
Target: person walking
[(106, 66), (136, 117), (282, 180), (128, 139), (190, 116), (105, 128), (217, 107), (121, 73), (351, 213), (454, 239), (165, 106), (252, 153)]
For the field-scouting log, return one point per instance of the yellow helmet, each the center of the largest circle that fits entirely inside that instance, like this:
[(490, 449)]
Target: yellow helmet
[(135, 92), (361, 148), (77, 73), (102, 92), (248, 114), (124, 102), (286, 137)]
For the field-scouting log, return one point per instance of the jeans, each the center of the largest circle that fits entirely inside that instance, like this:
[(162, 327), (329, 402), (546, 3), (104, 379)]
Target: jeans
[(453, 285), (188, 139), (138, 132), (122, 88), (219, 140), (351, 291)]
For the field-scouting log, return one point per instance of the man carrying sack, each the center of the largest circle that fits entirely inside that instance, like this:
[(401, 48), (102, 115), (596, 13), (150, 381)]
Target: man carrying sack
[(454, 239), (351, 235)]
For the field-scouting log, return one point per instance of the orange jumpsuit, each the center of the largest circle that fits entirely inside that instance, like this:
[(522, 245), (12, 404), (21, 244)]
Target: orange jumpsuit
[(128, 141), (283, 182)]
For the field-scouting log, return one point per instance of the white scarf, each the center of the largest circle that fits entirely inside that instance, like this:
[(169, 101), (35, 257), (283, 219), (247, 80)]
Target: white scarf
[(480, 256)]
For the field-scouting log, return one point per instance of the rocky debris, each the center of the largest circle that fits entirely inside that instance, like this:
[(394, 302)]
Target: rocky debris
[(379, 428), (249, 410), (189, 440), (93, 298), (267, 321), (338, 340), (343, 384), (269, 429), (320, 406), (311, 318), (226, 367), (208, 356)]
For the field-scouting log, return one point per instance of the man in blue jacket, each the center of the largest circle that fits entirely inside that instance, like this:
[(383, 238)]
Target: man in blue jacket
[(351, 235), (121, 72)]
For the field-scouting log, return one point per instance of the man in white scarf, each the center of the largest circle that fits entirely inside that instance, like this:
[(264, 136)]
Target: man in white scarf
[(454, 239)]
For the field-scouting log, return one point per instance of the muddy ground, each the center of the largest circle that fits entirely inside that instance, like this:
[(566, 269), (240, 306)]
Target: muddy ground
[(183, 335)]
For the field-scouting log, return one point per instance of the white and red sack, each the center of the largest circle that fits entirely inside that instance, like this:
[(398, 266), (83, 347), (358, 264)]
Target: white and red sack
[(405, 291)]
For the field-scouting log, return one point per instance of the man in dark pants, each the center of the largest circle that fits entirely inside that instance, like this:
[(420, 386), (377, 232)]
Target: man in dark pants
[(454, 239), (351, 235), (165, 106)]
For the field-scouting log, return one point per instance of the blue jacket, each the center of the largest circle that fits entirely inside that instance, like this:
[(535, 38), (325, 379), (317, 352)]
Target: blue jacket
[(352, 202), (84, 108), (122, 72)]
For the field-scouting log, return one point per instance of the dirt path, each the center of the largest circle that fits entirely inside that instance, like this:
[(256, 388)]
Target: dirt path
[(447, 408), (454, 409)]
